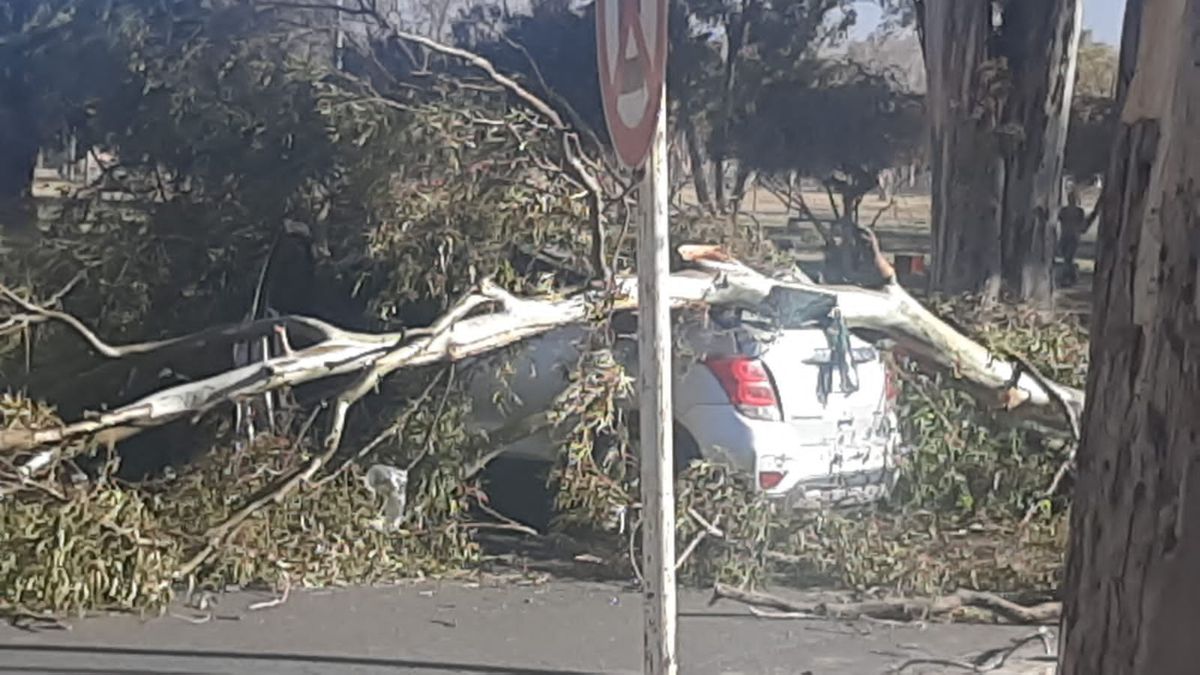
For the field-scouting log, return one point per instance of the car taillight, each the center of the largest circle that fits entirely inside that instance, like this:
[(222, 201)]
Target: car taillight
[(748, 386), (768, 480)]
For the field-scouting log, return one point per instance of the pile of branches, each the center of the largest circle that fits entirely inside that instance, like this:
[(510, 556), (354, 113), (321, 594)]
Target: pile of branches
[(425, 183), (77, 537)]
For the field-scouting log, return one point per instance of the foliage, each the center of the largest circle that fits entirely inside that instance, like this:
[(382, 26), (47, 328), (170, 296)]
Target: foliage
[(1093, 110), (227, 122), (966, 460), (596, 479), (317, 537), (548, 47), (41, 40), (1090, 137), (389, 170), (107, 551), (922, 554), (838, 122), (712, 494), (71, 546), (727, 62), (66, 546), (1096, 75)]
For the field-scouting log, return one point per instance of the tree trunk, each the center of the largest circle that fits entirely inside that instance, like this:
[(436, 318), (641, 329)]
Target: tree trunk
[(719, 197), (19, 127), (1040, 40), (736, 31), (742, 177), (18, 134), (696, 159), (1132, 600), (999, 99), (966, 187)]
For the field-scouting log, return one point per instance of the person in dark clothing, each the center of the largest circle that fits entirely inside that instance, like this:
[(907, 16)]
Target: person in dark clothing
[(1073, 222)]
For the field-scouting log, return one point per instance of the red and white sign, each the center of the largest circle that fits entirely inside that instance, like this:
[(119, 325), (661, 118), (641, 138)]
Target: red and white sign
[(631, 44)]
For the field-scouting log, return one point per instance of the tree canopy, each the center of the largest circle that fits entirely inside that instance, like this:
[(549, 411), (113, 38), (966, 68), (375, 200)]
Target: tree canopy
[(736, 69)]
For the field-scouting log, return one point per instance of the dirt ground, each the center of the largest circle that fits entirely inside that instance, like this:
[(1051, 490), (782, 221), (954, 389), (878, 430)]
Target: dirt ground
[(489, 627)]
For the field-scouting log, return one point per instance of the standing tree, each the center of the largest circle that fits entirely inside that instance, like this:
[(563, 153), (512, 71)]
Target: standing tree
[(843, 125), (724, 54), (1093, 111), (717, 74), (1000, 80), (1093, 128), (1096, 76), (1131, 603), (40, 41)]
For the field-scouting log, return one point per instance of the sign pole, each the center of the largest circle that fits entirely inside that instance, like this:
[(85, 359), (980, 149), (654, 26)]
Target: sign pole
[(654, 355), (631, 60)]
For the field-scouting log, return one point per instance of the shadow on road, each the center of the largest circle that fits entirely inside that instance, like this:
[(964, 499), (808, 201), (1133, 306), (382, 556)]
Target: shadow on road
[(253, 656)]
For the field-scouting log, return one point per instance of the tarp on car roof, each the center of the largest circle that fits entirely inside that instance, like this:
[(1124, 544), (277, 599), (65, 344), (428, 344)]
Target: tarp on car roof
[(797, 307)]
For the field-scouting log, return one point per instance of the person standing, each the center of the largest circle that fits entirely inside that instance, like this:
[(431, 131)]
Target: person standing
[(1073, 222)]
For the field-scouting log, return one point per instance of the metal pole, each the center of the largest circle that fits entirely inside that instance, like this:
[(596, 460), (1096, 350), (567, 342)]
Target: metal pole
[(654, 356)]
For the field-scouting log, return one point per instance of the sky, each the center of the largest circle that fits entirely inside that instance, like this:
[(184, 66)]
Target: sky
[(1102, 17)]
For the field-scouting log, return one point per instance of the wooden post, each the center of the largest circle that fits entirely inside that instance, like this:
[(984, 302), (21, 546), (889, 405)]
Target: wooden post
[(654, 385)]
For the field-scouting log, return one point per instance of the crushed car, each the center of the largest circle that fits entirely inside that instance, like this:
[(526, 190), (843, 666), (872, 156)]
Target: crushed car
[(793, 399)]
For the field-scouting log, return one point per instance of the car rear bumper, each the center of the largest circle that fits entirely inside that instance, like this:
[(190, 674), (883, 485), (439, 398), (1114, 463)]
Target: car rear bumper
[(806, 473), (846, 490)]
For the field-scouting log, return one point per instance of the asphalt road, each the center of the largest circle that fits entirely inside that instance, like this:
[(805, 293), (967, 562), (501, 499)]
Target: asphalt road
[(560, 627)]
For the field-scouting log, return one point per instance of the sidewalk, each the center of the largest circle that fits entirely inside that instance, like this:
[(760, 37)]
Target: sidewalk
[(560, 627)]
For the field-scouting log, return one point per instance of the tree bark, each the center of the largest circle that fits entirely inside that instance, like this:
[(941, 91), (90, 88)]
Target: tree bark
[(18, 121), (737, 29), (1132, 600), (966, 183), (1040, 40), (18, 131), (741, 178), (696, 159), (999, 95)]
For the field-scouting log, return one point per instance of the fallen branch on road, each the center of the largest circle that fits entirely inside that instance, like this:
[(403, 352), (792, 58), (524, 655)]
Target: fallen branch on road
[(898, 609), (987, 661)]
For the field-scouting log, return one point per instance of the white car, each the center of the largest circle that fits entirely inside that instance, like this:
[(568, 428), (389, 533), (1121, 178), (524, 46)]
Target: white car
[(772, 403)]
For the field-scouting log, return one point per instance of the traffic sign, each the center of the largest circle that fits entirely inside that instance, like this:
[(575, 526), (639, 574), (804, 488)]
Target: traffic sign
[(631, 51)]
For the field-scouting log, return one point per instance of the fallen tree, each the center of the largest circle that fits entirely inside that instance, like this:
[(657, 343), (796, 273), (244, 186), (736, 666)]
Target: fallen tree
[(713, 279)]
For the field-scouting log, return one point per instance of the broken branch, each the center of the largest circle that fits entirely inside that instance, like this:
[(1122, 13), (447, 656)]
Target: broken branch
[(904, 609)]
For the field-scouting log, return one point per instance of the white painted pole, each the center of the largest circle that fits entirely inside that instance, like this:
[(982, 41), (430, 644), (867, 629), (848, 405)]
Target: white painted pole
[(654, 356)]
